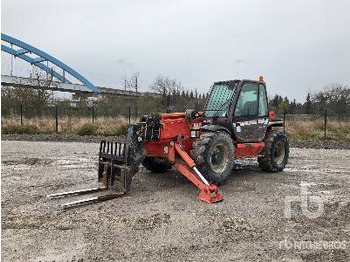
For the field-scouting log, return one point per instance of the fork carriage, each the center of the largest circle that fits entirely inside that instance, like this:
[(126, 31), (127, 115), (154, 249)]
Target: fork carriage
[(114, 174)]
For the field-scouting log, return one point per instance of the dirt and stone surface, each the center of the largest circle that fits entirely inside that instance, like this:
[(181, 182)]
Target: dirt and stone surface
[(162, 220)]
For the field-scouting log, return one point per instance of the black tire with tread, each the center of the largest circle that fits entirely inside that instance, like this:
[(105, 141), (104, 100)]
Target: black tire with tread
[(201, 153), (267, 160), (156, 164)]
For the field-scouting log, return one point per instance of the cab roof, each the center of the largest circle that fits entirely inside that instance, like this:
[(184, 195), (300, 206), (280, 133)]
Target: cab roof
[(234, 82)]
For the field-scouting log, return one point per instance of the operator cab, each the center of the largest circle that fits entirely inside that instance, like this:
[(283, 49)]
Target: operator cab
[(240, 107)]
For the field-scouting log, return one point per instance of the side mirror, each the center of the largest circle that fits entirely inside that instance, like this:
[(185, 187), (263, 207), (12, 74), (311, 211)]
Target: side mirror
[(272, 115)]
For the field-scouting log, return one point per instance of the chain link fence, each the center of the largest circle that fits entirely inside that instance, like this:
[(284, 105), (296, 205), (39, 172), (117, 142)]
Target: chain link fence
[(108, 115), (69, 117), (326, 126)]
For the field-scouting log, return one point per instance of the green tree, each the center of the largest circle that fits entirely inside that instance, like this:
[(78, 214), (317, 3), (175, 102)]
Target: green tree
[(308, 104)]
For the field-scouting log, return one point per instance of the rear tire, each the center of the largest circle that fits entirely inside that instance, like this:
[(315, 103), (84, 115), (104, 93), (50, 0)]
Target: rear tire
[(156, 164), (275, 153), (213, 153)]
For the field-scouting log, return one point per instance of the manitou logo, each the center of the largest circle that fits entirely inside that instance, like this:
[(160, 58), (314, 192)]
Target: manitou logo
[(197, 125), (252, 122)]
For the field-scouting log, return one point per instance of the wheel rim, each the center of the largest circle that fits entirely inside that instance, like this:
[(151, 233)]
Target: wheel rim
[(280, 152), (219, 158)]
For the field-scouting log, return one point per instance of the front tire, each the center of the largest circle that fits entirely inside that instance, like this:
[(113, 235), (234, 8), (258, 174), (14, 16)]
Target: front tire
[(156, 164), (213, 154), (276, 152)]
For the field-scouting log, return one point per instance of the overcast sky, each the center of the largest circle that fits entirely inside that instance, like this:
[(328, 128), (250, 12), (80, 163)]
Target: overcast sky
[(298, 45)]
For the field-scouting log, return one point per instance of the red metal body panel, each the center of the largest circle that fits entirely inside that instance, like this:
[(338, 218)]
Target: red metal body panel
[(171, 128), (175, 125), (161, 148), (157, 148), (248, 149)]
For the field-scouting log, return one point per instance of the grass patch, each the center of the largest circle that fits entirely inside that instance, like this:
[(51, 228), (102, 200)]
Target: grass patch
[(20, 129), (121, 131), (303, 130), (87, 130), (104, 126)]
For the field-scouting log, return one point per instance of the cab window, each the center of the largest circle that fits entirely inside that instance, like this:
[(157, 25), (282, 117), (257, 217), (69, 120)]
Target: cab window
[(263, 110), (247, 104)]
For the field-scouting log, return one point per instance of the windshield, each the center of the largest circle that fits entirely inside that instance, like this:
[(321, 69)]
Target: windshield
[(219, 101)]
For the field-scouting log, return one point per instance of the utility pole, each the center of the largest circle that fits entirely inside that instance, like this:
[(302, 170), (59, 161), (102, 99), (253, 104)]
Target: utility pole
[(165, 99), (11, 72), (21, 108), (136, 96), (47, 73), (56, 118), (325, 125)]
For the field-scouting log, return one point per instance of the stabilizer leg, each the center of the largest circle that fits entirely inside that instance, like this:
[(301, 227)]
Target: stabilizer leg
[(209, 193)]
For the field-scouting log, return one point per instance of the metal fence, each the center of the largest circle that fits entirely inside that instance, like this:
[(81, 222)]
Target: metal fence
[(321, 126), (15, 113), (318, 124), (55, 113)]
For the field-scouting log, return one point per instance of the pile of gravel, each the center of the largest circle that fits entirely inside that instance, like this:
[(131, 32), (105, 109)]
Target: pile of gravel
[(96, 139)]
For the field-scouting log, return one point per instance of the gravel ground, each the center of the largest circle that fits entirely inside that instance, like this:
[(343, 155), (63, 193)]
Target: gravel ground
[(96, 139), (52, 137), (162, 220)]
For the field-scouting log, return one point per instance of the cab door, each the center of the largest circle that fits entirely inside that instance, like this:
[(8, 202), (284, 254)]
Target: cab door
[(250, 115)]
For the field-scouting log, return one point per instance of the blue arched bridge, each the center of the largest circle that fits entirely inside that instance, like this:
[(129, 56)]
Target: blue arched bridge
[(23, 49), (20, 49)]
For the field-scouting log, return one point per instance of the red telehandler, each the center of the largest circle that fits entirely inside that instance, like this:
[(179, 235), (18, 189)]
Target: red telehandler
[(202, 146)]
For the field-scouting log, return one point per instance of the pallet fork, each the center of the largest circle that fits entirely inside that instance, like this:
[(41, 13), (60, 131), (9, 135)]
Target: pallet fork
[(114, 174), (118, 162)]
